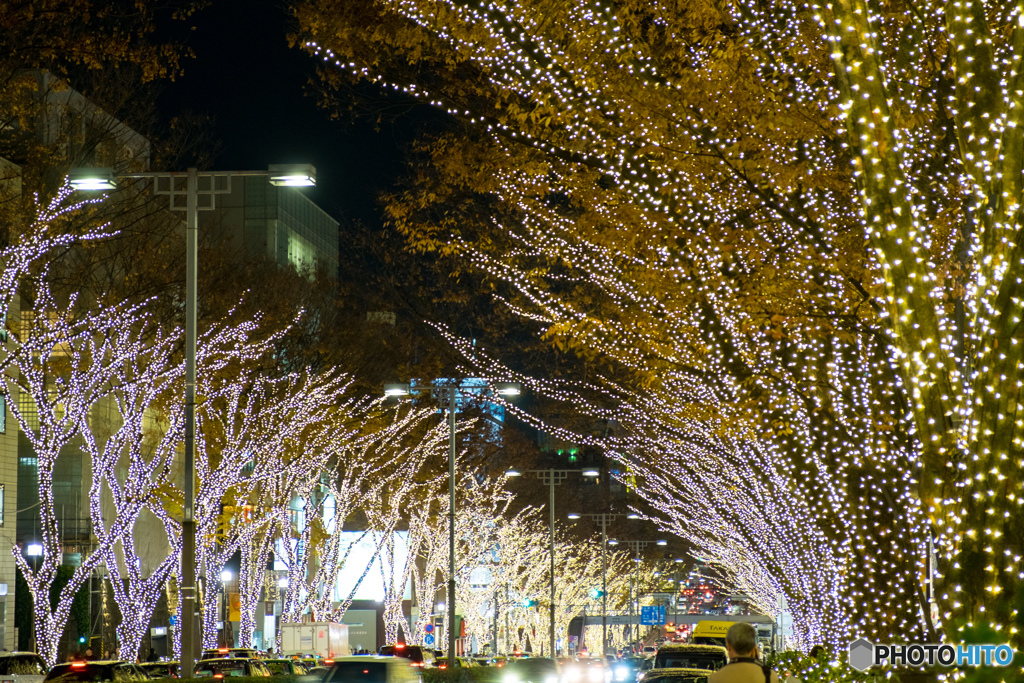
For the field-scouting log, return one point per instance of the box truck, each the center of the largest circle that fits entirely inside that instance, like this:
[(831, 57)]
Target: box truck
[(324, 638)]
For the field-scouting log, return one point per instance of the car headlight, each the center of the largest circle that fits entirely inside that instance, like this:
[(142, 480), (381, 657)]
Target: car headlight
[(511, 679), (621, 673), (551, 679)]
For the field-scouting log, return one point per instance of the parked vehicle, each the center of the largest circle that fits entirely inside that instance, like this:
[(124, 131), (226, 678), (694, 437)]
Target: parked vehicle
[(162, 669), (227, 667), (372, 669), (420, 657), (707, 657), (97, 672), (22, 667)]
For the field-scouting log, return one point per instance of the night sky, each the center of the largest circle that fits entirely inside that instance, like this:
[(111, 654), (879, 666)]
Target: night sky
[(247, 77)]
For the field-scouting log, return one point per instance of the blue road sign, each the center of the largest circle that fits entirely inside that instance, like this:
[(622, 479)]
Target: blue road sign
[(652, 615), (428, 639), (429, 628), (174, 620)]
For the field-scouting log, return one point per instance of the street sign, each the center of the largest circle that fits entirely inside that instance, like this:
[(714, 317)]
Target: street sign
[(429, 628), (652, 615), (428, 639), (174, 620)]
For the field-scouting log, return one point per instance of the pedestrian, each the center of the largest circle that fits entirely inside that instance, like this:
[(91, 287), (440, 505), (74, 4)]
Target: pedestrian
[(153, 656), (88, 655), (744, 665)]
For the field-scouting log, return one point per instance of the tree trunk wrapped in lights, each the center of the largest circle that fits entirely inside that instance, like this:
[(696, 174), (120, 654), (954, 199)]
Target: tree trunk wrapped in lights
[(687, 194), (61, 363)]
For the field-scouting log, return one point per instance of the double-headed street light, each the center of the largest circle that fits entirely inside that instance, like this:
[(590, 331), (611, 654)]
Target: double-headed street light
[(397, 390), (603, 518), (553, 477), (636, 546), (189, 186)]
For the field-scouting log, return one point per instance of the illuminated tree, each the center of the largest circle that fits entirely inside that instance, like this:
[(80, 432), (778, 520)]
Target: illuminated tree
[(670, 191), (63, 362)]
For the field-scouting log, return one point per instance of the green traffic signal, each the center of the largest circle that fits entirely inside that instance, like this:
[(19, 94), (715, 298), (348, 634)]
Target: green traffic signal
[(81, 639), (595, 593), (529, 603)]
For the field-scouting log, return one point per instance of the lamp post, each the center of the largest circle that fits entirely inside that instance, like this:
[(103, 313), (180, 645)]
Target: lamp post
[(403, 389), (170, 184), (603, 518), (553, 477), (636, 546)]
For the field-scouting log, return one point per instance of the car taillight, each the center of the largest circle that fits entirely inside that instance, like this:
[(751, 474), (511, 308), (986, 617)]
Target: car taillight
[(77, 665), (218, 675), (417, 664), (443, 666)]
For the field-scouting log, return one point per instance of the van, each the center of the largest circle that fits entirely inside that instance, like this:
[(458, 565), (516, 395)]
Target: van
[(711, 632)]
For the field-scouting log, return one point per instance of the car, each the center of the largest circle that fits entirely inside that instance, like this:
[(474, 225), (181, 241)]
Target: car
[(231, 652), (161, 669), (97, 672), (419, 656), (230, 667), (676, 675), (22, 667), (442, 662), (629, 669), (649, 650), (532, 670), (318, 672), (372, 669), (707, 657), (286, 667)]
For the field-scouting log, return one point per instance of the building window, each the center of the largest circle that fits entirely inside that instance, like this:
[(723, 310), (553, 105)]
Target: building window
[(2, 504)]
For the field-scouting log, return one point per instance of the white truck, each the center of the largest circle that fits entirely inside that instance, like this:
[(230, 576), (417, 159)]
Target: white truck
[(323, 638)]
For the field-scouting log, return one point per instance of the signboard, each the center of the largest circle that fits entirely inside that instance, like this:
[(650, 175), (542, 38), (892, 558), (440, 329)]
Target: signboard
[(234, 606), (428, 639), (174, 620), (429, 628), (613, 620), (652, 615)]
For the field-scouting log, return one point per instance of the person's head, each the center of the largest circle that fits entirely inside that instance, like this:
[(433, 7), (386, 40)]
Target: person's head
[(88, 652), (741, 640)]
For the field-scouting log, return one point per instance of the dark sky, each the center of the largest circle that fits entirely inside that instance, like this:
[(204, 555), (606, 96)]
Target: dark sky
[(247, 77)]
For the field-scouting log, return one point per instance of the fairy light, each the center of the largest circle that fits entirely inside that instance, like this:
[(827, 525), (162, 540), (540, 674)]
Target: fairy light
[(721, 195)]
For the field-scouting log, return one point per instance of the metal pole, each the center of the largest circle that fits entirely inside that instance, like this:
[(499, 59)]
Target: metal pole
[(188, 524), (552, 507), (451, 526), (604, 584)]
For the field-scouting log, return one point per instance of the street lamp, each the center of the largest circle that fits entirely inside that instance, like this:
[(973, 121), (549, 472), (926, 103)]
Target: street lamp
[(636, 546), (169, 184), (397, 390), (603, 518), (553, 477)]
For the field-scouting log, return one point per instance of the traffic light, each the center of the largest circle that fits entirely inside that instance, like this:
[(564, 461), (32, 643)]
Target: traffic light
[(529, 603), (596, 593), (81, 640)]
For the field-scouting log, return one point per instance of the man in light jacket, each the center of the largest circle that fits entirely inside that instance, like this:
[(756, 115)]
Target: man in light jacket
[(744, 665)]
